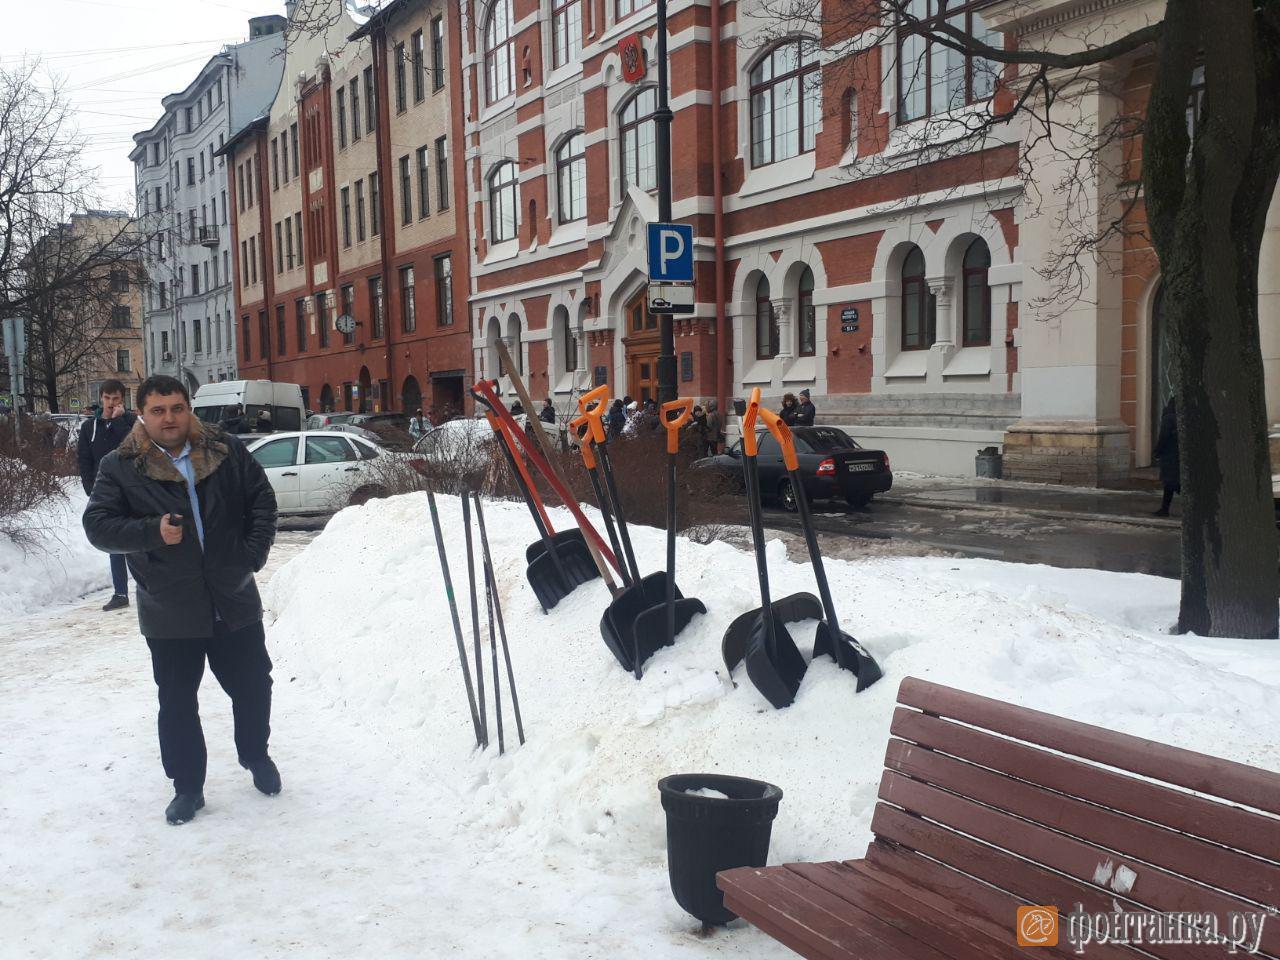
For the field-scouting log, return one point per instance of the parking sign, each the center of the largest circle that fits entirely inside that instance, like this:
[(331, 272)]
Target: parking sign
[(670, 253)]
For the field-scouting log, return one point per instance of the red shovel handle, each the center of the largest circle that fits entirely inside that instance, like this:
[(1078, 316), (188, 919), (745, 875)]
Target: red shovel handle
[(673, 426)]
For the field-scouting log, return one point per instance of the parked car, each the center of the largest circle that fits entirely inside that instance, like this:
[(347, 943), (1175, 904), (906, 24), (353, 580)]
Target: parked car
[(318, 421), (384, 436), (214, 402), (319, 471), (832, 464), (399, 421)]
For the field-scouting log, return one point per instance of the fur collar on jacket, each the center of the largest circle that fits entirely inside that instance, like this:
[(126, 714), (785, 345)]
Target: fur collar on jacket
[(208, 450)]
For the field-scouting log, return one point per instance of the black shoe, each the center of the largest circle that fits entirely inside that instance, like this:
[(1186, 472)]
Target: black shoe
[(265, 776), (183, 807), (117, 602), (1162, 512)]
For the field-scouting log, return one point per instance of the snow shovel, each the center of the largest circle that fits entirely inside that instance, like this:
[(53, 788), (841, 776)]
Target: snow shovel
[(843, 649), (657, 627), (792, 609), (559, 566), (774, 662), (582, 428)]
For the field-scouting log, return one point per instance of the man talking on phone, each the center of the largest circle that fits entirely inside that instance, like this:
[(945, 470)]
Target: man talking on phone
[(195, 517)]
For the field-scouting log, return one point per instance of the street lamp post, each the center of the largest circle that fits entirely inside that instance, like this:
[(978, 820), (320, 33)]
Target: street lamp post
[(662, 117)]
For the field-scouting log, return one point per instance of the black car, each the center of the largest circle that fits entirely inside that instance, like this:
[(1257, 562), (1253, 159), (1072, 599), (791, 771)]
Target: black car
[(832, 465)]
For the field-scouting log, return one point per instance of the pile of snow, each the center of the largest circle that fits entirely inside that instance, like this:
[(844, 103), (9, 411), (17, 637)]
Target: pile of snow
[(59, 568), (362, 615)]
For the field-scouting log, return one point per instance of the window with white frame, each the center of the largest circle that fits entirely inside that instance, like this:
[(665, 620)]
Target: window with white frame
[(786, 102), (566, 31), (636, 135), (499, 52), (503, 194), (627, 7), (767, 333), (932, 77), (571, 178), (806, 316), (976, 319), (919, 305)]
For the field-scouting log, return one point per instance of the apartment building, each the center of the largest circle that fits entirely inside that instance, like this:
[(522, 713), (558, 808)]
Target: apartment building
[(344, 205), (905, 288), (188, 326)]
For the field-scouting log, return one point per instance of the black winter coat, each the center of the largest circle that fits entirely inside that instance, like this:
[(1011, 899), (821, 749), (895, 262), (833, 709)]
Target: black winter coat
[(99, 437), (1166, 451), (180, 586), (806, 413)]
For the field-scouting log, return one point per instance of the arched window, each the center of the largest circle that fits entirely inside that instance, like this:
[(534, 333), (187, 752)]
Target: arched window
[(568, 345), (806, 317), (919, 307), (636, 134), (571, 178), (502, 203), (499, 52), (786, 102), (566, 31), (977, 296), (766, 323)]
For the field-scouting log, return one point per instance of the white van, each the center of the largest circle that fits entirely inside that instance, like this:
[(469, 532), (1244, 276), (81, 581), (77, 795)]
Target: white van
[(216, 401)]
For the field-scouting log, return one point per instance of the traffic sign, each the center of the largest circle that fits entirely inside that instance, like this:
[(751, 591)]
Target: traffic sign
[(670, 253), (671, 298)]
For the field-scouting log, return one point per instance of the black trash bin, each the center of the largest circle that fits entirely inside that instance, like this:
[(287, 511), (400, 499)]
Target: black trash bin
[(708, 834)]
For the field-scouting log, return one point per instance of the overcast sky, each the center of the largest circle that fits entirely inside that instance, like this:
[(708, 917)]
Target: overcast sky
[(118, 58)]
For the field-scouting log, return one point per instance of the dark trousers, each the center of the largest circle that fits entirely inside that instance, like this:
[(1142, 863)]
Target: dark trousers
[(119, 575), (238, 658)]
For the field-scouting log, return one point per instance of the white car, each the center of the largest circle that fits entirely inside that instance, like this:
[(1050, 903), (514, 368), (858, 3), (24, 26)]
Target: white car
[(319, 471)]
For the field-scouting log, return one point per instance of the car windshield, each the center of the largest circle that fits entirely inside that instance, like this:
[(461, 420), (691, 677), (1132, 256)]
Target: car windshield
[(829, 440)]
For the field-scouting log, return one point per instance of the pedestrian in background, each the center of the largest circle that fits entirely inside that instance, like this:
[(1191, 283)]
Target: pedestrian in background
[(196, 517), (98, 437), (806, 412), (616, 418), (790, 409), (715, 429), (548, 413), (1166, 454), (696, 429), (235, 423), (418, 425), (262, 424)]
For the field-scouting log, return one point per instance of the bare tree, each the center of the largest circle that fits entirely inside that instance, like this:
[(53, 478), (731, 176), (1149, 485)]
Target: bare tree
[(1194, 169)]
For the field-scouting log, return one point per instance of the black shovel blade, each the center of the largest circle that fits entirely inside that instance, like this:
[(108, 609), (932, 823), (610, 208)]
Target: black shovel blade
[(650, 629), (537, 548), (617, 626), (775, 673), (792, 609), (851, 654), (548, 586)]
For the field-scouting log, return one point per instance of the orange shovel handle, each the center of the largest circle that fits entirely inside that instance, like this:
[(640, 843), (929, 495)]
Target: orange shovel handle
[(673, 426), (749, 423), (584, 440), (785, 438), (595, 418)]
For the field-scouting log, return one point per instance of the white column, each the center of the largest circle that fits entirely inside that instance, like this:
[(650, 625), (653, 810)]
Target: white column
[(945, 333)]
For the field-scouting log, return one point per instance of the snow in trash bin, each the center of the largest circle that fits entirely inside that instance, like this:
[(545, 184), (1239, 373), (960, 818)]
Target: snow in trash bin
[(707, 792)]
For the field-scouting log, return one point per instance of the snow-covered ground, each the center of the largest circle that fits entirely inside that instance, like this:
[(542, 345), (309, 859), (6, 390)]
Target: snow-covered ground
[(395, 838), (59, 568)]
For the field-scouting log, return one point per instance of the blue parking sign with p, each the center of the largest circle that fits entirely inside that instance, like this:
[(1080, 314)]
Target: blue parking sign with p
[(670, 253)]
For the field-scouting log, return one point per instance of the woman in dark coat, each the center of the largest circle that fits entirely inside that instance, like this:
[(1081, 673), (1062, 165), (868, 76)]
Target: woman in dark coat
[(1166, 452), (790, 409)]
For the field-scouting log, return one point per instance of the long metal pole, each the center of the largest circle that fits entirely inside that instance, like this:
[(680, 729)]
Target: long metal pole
[(662, 117)]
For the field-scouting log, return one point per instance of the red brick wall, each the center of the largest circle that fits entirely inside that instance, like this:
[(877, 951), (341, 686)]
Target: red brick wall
[(849, 354)]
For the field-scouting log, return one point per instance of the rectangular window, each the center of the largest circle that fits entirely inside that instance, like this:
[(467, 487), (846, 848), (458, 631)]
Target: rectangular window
[(628, 7), (164, 295), (119, 281), (245, 338), (202, 167), (190, 120), (124, 363), (226, 264), (279, 248), (346, 216), (121, 316), (197, 337), (248, 180), (406, 192), (289, 262), (275, 163), (224, 208), (240, 185), (214, 262), (293, 141), (300, 320), (442, 173), (437, 53), (375, 308), (164, 343), (349, 309), (424, 187), (280, 330), (297, 228), (932, 78), (375, 206), (444, 290), (370, 101), (253, 258), (419, 67), (359, 211), (399, 55), (195, 279), (355, 109), (566, 31), (159, 202), (342, 118), (284, 156), (408, 301), (264, 335), (191, 171), (323, 320)]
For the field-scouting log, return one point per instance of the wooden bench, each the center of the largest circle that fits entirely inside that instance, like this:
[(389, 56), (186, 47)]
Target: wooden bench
[(986, 807)]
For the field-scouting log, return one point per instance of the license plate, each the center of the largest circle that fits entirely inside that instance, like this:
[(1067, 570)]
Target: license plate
[(861, 466)]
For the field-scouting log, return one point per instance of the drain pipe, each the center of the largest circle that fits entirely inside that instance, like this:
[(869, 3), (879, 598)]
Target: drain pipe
[(723, 366)]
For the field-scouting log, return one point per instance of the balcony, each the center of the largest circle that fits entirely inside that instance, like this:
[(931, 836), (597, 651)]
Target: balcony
[(207, 236)]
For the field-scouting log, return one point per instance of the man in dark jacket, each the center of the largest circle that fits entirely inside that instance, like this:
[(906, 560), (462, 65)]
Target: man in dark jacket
[(235, 422), (1166, 454), (807, 412), (196, 517), (98, 437)]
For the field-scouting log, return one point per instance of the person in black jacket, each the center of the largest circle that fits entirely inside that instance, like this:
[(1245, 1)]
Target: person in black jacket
[(196, 518), (235, 423), (806, 413), (98, 437), (1166, 453)]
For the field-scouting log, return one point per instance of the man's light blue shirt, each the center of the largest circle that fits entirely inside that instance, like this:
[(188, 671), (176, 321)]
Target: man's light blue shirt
[(185, 467)]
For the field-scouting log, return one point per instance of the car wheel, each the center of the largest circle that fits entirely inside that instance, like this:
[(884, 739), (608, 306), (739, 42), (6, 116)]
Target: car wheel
[(365, 494), (787, 496), (858, 500)]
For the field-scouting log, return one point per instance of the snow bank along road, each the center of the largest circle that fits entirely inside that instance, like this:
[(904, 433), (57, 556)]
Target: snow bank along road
[(394, 838)]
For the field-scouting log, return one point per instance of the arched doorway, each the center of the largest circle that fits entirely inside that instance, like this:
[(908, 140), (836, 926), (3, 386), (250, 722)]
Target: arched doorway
[(410, 396), (642, 347), (326, 399), (366, 387)]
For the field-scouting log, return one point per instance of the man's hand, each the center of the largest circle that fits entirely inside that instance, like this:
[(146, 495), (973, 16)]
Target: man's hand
[(171, 528)]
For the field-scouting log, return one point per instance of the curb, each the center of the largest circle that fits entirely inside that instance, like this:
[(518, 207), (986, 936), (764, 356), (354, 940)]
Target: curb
[(1158, 523)]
